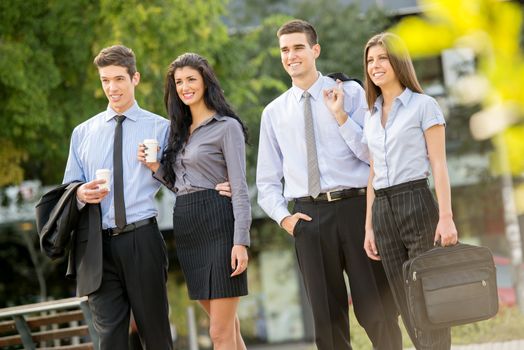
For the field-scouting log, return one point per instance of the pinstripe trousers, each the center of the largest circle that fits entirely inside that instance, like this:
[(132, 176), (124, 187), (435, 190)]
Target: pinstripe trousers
[(405, 218)]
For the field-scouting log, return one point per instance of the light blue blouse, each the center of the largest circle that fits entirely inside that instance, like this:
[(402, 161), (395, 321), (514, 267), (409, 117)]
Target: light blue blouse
[(399, 150)]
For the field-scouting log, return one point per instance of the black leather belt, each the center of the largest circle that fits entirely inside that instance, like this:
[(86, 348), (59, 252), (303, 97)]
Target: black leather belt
[(115, 231), (406, 186), (334, 195)]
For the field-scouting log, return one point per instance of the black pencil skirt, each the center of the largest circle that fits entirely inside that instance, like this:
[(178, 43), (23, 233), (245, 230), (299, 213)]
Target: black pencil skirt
[(203, 225)]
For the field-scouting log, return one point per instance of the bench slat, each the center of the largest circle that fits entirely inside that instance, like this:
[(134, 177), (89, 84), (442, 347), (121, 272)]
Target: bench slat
[(23, 324), (86, 346), (43, 306), (60, 333)]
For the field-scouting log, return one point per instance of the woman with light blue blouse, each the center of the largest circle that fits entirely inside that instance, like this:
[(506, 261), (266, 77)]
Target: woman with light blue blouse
[(404, 131)]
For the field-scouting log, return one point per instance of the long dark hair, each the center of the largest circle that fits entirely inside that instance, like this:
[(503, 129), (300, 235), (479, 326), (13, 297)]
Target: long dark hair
[(179, 113)]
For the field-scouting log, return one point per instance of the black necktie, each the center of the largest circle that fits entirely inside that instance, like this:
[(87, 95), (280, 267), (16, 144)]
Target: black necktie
[(118, 174)]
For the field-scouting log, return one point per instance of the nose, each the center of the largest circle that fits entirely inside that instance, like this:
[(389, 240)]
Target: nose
[(112, 85), (184, 86)]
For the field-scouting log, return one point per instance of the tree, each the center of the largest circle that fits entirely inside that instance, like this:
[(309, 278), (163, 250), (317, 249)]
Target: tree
[(36, 58), (48, 83)]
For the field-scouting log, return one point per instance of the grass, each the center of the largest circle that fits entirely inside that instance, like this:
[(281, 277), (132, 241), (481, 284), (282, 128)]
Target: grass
[(507, 325)]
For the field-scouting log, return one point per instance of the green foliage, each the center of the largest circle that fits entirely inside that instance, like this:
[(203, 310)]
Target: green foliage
[(40, 81), (48, 83), (158, 31), (342, 33)]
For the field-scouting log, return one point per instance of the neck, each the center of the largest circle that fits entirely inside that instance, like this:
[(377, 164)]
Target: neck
[(122, 109), (306, 81), (391, 92), (200, 112)]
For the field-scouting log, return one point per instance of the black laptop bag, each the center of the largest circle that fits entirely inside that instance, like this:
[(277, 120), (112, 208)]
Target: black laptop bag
[(449, 286)]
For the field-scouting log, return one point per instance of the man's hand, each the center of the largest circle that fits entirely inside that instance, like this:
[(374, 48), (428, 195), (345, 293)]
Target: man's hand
[(224, 189), (91, 193), (370, 246), (289, 222), (334, 100), (239, 259)]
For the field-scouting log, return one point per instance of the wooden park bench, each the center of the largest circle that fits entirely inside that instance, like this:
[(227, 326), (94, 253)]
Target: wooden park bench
[(64, 324)]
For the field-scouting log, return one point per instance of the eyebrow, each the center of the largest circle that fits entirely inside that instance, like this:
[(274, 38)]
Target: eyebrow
[(294, 46), (189, 76), (116, 76)]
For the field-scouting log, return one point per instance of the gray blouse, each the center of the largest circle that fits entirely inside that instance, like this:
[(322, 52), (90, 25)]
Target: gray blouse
[(215, 153)]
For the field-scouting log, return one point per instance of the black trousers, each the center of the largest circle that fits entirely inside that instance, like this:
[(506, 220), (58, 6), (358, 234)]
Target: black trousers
[(327, 246), (405, 218), (134, 277)]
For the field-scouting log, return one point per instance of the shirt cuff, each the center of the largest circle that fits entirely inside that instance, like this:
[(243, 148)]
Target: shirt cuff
[(280, 214), (79, 204)]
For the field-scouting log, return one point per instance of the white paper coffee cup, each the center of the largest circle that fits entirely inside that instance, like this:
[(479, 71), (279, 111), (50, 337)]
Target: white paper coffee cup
[(106, 175), (151, 151)]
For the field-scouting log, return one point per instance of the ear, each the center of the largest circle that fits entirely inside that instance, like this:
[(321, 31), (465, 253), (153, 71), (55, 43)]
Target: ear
[(136, 79), (316, 50)]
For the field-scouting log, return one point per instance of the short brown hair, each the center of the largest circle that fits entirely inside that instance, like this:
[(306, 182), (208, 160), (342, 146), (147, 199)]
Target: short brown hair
[(400, 62), (299, 26), (117, 55)]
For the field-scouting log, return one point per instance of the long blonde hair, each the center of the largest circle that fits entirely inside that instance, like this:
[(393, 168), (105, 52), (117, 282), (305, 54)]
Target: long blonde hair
[(400, 62)]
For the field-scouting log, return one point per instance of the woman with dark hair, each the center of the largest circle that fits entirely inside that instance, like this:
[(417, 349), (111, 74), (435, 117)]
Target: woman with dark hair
[(207, 147), (404, 130)]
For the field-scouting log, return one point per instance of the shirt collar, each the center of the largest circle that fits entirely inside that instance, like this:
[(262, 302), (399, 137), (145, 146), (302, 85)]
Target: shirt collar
[(132, 113), (404, 98), (215, 116), (315, 90)]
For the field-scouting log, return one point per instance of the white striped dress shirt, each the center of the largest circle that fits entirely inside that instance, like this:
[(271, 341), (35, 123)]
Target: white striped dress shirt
[(91, 148)]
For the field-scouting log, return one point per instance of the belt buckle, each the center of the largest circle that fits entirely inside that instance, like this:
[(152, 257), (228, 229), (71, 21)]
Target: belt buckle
[(330, 199), (112, 232)]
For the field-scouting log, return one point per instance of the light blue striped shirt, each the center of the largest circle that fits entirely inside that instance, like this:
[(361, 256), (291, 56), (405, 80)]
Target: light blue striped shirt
[(91, 148), (342, 158), (399, 150)]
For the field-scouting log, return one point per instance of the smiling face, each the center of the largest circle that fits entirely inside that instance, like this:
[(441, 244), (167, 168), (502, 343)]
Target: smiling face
[(379, 67), (119, 87), (190, 85), (298, 57)]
